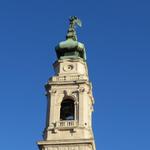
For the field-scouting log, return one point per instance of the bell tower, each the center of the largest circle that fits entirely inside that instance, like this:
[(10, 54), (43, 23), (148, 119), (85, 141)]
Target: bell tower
[(69, 98)]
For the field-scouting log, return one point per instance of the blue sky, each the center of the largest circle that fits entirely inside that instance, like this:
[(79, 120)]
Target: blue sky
[(117, 39)]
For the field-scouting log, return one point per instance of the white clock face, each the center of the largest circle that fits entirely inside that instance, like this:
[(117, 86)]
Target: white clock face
[(68, 67)]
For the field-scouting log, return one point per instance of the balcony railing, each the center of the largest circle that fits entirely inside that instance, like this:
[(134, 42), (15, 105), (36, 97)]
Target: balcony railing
[(66, 124)]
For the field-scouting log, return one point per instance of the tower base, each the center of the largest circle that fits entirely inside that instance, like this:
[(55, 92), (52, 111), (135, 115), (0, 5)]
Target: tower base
[(84, 144)]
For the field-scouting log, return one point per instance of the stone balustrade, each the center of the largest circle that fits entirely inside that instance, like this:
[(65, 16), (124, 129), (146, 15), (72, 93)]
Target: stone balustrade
[(69, 78), (66, 124)]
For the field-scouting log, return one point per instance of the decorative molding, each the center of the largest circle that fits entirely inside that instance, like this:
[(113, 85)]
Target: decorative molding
[(53, 91), (81, 89), (68, 67), (68, 147), (70, 78), (66, 92)]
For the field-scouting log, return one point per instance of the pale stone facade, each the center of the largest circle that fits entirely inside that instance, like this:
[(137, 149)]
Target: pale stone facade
[(69, 94)]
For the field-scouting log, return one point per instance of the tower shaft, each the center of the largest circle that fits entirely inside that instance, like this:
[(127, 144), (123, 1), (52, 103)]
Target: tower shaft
[(69, 102)]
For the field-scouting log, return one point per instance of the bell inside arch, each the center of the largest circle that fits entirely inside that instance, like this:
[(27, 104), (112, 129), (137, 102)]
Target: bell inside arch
[(67, 110)]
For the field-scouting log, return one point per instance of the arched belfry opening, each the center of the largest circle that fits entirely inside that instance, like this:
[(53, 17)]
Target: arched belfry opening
[(67, 110)]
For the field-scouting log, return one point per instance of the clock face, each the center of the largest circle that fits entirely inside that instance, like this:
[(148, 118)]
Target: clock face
[(68, 67)]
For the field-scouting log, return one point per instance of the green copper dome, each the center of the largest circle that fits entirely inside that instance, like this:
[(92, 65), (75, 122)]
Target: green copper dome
[(71, 48)]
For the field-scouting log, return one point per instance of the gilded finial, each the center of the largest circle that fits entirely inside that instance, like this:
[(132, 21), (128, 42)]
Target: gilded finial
[(71, 31)]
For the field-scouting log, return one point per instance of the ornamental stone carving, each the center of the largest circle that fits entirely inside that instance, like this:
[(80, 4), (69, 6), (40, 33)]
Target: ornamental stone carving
[(68, 67), (81, 90), (52, 91)]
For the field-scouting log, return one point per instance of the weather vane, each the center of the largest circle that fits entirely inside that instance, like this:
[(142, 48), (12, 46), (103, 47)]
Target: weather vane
[(71, 31)]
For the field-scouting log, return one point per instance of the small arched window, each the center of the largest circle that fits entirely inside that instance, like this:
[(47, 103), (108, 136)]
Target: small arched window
[(67, 110)]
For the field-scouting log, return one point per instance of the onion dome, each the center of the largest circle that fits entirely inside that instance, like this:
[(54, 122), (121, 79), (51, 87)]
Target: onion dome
[(71, 48)]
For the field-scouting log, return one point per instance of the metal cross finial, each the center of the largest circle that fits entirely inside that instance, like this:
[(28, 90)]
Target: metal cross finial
[(71, 31), (75, 20)]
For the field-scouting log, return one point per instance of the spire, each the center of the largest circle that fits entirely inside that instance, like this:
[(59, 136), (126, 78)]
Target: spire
[(71, 34), (71, 48)]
